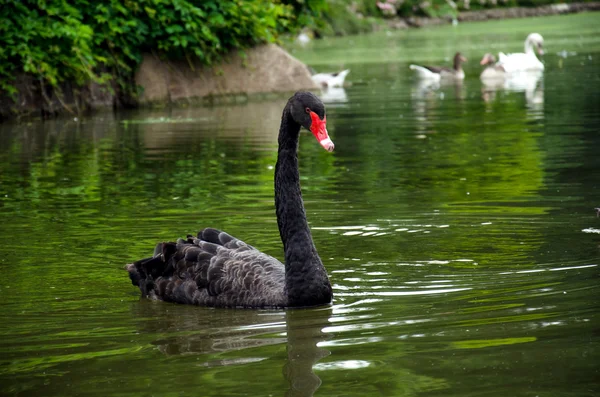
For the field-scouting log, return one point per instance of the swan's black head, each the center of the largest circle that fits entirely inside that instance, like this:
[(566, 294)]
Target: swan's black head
[(308, 111)]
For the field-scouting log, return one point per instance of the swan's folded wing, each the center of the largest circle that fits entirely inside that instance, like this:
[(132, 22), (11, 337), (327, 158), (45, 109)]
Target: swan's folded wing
[(425, 73), (437, 69), (214, 269)]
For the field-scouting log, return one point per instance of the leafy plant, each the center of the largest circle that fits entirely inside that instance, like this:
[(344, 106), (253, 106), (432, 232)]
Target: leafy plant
[(78, 41)]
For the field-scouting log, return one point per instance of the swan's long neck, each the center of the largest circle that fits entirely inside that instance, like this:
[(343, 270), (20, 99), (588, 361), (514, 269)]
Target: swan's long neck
[(291, 216), (306, 278), (529, 47)]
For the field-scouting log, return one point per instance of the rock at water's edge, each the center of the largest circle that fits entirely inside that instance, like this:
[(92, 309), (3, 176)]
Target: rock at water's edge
[(264, 69)]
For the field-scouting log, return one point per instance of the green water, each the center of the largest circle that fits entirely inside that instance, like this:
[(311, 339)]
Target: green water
[(457, 224)]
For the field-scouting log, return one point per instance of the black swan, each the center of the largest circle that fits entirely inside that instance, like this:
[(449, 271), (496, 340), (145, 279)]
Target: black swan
[(216, 269)]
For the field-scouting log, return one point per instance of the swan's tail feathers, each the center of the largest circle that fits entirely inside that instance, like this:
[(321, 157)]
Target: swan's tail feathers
[(340, 78), (424, 73), (193, 270), (134, 274), (342, 75), (326, 80), (143, 272)]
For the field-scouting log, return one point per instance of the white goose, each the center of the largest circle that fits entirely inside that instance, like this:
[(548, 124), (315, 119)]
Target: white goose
[(524, 61), (330, 79)]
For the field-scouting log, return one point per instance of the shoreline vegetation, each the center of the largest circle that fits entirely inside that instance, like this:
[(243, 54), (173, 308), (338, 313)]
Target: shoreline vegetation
[(71, 57)]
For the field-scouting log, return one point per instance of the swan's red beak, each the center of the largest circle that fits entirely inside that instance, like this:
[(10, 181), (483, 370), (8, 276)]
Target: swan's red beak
[(319, 130)]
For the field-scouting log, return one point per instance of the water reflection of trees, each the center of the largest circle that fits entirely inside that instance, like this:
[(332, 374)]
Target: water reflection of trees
[(168, 173)]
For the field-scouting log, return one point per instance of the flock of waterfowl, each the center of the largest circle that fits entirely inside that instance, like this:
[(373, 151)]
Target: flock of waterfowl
[(216, 269), (505, 66)]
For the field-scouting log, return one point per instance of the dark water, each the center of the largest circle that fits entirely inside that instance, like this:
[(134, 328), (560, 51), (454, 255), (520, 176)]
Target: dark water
[(457, 225)]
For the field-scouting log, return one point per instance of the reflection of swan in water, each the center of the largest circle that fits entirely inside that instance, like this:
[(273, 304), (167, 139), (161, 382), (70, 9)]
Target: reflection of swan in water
[(304, 332), (424, 97), (333, 95), (425, 89), (183, 329), (529, 82), (188, 330), (428, 96)]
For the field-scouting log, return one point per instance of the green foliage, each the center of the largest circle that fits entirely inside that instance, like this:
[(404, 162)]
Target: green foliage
[(308, 13), (48, 41), (344, 17), (59, 41)]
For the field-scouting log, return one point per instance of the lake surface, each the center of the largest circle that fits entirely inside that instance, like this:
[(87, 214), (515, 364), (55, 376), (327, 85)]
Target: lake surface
[(457, 224)]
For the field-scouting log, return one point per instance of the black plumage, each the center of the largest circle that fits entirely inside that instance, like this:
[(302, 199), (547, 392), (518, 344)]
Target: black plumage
[(216, 269)]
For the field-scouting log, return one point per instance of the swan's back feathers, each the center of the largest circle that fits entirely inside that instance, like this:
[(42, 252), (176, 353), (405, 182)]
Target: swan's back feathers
[(213, 269), (517, 62), (218, 237)]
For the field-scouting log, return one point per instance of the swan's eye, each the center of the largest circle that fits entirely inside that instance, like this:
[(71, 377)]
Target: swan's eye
[(307, 110)]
